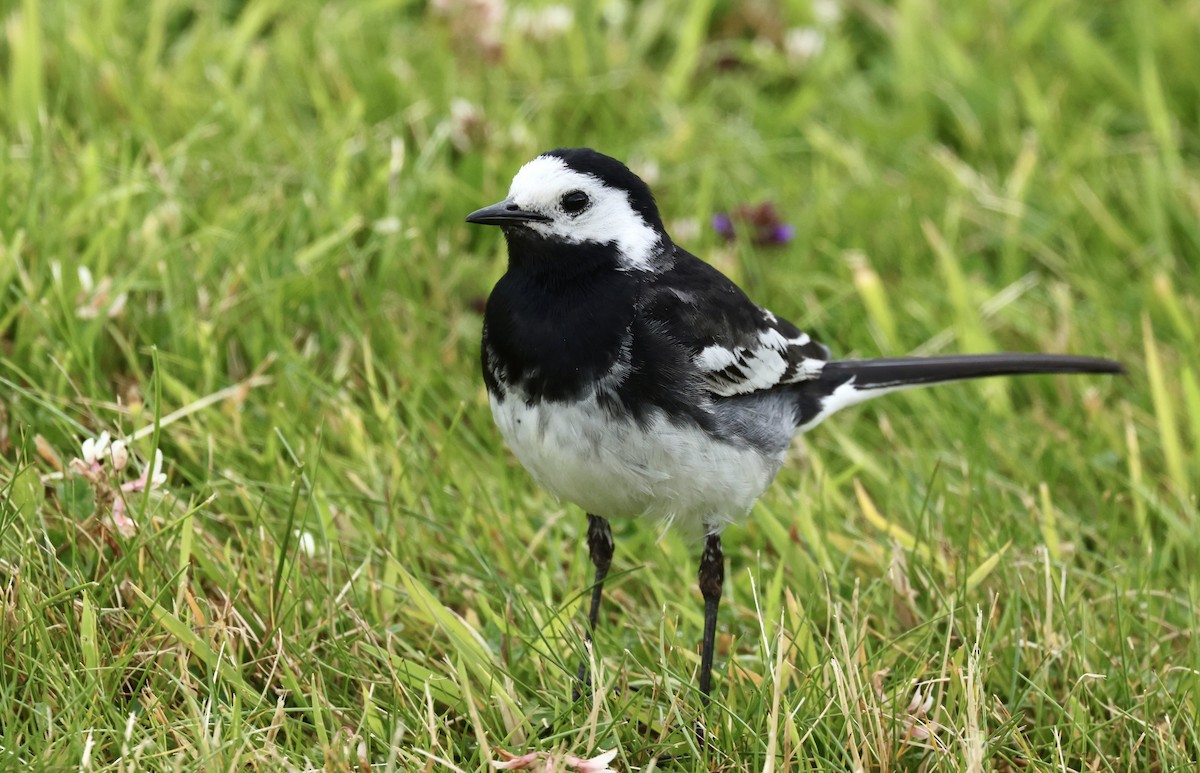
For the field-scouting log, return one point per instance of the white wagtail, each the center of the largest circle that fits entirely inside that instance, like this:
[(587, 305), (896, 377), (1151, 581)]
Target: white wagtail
[(633, 379)]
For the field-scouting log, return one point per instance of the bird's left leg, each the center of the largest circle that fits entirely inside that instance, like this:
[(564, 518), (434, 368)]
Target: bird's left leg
[(712, 577), (600, 547)]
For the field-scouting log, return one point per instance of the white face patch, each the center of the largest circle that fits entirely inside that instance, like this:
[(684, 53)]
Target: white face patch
[(539, 187)]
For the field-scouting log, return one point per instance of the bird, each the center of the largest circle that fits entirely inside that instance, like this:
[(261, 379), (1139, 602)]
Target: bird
[(635, 380)]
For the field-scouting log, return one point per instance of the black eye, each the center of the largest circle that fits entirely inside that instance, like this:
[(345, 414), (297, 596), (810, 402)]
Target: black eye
[(574, 202)]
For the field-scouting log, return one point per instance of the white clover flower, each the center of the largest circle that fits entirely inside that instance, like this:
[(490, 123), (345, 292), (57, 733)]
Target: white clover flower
[(156, 477), (93, 449), (917, 706), (151, 478), (121, 521), (597, 764), (119, 453)]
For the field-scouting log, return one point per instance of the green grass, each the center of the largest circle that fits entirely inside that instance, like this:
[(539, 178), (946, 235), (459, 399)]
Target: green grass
[(276, 190)]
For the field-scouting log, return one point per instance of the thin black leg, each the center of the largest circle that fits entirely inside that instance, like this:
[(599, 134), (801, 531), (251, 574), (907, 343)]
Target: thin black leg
[(600, 547), (712, 577)]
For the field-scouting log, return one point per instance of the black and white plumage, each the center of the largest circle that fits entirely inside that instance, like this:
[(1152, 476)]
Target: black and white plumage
[(633, 379)]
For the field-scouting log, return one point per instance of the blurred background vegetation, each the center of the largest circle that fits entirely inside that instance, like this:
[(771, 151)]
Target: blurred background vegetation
[(232, 232)]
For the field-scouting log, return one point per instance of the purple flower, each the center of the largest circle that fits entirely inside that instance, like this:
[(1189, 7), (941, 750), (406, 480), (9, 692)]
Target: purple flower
[(723, 225), (760, 223), (782, 234)]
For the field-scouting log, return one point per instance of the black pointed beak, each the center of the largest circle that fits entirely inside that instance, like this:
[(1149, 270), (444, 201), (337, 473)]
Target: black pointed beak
[(504, 213)]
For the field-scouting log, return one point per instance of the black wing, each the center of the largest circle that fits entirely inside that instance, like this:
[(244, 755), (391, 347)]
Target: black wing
[(737, 346)]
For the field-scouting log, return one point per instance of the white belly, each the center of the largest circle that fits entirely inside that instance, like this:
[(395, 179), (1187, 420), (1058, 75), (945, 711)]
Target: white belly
[(614, 468)]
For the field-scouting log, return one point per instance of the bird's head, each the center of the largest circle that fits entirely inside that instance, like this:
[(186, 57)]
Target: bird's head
[(576, 196)]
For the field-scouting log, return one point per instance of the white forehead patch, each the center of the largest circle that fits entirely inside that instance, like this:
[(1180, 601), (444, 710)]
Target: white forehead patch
[(539, 187)]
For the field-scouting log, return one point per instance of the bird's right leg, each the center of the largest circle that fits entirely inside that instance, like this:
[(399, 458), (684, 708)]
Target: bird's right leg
[(712, 577), (600, 547)]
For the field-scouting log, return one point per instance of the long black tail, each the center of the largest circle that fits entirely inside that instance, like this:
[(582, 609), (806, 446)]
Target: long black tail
[(914, 371), (843, 383)]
